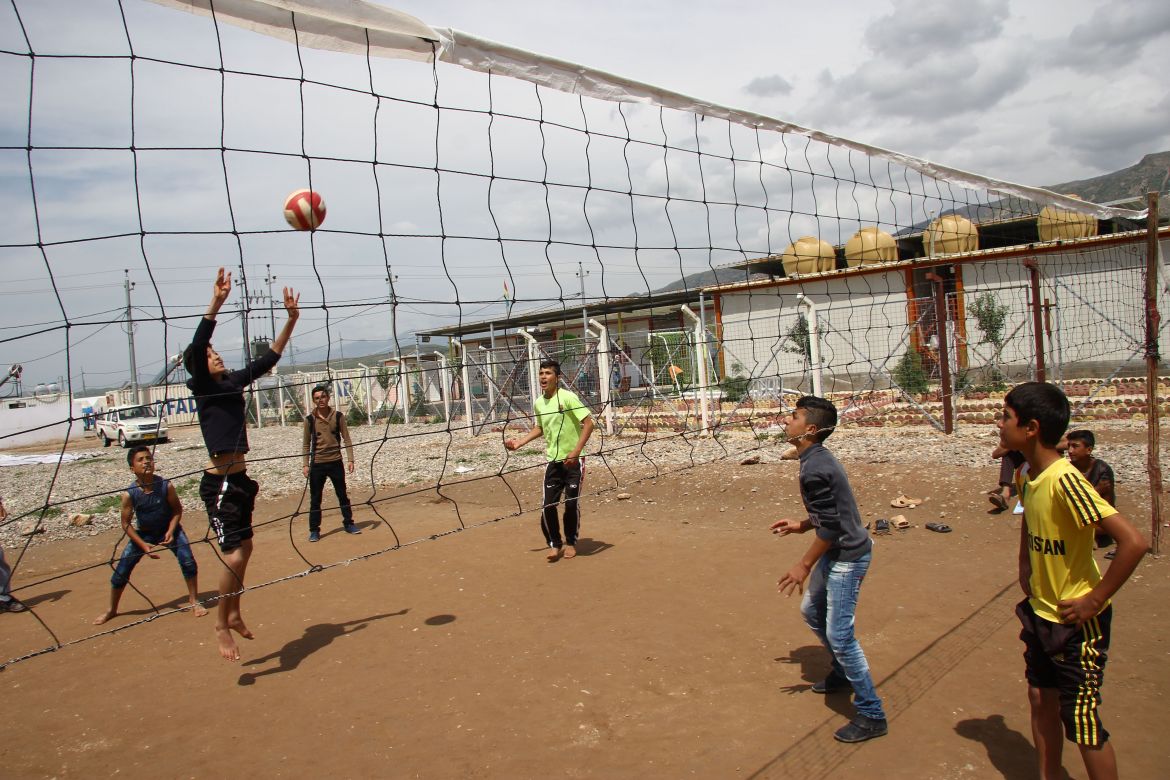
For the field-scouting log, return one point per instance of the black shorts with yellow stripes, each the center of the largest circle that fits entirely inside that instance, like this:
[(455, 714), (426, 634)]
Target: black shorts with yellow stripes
[(1071, 660)]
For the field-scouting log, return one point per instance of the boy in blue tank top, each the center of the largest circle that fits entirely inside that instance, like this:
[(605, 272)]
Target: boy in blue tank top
[(153, 503)]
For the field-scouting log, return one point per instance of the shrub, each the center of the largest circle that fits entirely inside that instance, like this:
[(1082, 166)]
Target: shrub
[(734, 387), (908, 373)]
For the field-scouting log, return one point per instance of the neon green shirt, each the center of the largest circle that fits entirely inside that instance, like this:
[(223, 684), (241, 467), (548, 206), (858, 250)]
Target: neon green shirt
[(560, 419)]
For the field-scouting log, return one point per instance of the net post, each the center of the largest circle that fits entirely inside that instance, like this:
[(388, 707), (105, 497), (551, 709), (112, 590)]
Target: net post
[(941, 316), (1153, 322)]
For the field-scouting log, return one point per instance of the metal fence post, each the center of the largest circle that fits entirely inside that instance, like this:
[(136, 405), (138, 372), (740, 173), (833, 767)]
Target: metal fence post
[(941, 317), (1037, 317)]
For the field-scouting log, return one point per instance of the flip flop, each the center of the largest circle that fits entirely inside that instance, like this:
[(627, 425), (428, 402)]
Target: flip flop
[(997, 500), (905, 502), (941, 528), (881, 527), (900, 522)]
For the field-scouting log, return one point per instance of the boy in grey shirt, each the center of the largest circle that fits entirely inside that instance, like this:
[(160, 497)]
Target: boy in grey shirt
[(834, 565)]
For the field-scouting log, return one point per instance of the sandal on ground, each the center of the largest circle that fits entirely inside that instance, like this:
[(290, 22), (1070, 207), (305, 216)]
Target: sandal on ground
[(941, 528), (900, 522), (997, 500), (881, 527), (905, 502)]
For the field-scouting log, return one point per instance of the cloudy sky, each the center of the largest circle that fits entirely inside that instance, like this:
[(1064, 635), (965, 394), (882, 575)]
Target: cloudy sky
[(1020, 91)]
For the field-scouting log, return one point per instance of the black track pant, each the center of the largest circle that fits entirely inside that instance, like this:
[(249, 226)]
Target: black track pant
[(558, 479)]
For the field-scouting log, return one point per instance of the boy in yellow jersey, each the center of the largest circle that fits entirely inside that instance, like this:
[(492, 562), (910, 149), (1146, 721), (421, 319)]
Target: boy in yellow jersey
[(566, 425), (1066, 616)]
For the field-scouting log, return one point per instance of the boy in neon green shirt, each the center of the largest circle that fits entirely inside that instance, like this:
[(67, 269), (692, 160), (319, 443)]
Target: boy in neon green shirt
[(566, 425)]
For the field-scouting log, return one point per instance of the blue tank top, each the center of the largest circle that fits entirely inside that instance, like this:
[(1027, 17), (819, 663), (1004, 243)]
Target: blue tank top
[(152, 510)]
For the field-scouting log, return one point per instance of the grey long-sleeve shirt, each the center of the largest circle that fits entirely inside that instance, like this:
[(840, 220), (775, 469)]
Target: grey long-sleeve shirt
[(832, 509)]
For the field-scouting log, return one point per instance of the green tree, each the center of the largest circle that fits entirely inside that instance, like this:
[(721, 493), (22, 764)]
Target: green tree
[(796, 340)]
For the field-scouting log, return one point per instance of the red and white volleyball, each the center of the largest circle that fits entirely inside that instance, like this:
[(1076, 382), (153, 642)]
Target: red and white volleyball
[(304, 209)]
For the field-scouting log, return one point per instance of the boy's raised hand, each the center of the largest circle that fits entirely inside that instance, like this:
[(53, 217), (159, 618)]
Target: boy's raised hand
[(292, 300), (223, 286)]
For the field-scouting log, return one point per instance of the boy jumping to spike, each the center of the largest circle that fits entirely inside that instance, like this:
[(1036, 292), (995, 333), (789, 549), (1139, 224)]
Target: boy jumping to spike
[(835, 564), (226, 490), (151, 517), (566, 425), (1066, 616)]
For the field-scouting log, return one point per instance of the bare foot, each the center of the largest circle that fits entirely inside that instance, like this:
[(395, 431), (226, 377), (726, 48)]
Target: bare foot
[(102, 618), (237, 624), (553, 554), (227, 644), (570, 551), (198, 610)]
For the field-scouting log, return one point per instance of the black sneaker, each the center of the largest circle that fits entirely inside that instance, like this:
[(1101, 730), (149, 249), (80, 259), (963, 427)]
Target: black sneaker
[(350, 528), (314, 536), (860, 729), (12, 605), (834, 683)]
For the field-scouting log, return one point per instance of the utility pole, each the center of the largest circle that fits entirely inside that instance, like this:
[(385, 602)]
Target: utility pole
[(391, 278), (581, 274), (269, 278), (130, 338), (242, 283)]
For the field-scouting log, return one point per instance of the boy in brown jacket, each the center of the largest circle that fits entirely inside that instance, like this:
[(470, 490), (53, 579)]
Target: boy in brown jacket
[(325, 429)]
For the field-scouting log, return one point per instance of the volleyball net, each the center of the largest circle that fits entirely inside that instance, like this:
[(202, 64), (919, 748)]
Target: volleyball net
[(693, 268)]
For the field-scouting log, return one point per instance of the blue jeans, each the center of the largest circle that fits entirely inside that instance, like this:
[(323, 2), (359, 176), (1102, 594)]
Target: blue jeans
[(829, 605), (133, 554)]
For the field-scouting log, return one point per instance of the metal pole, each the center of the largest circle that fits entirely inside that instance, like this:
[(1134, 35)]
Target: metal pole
[(1037, 318), (581, 272), (814, 342), (603, 368), (704, 410), (445, 388), (1153, 322), (466, 385), (941, 315)]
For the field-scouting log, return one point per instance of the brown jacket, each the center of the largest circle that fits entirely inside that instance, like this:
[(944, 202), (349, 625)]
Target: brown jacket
[(328, 434)]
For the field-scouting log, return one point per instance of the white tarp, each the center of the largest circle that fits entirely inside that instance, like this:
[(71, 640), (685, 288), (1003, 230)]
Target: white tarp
[(34, 460), (359, 27)]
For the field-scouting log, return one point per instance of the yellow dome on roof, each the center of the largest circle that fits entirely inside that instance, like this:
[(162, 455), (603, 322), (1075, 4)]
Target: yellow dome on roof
[(950, 233), (809, 255), (1055, 223), (871, 245)]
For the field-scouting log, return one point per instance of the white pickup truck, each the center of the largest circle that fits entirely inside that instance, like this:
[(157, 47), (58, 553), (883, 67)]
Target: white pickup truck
[(130, 425)]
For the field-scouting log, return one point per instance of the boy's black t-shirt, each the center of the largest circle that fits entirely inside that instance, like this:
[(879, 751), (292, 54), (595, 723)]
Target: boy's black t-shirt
[(832, 509), (221, 402)]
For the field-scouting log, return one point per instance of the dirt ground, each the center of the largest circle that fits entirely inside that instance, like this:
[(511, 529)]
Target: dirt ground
[(663, 650)]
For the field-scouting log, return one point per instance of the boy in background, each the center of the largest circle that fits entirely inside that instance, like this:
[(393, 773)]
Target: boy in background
[(566, 425), (151, 517), (1098, 472), (325, 430)]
